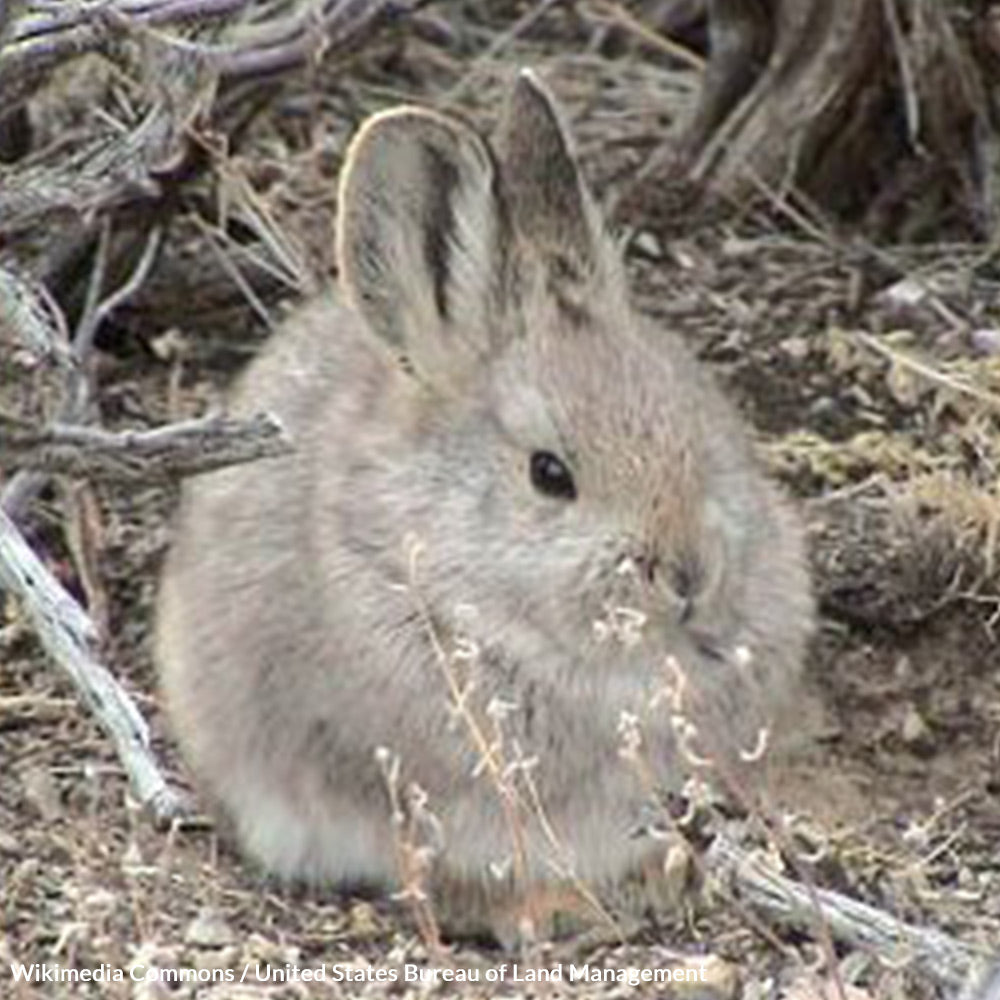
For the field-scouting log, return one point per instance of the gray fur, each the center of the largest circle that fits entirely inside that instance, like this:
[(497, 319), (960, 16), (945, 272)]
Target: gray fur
[(293, 618)]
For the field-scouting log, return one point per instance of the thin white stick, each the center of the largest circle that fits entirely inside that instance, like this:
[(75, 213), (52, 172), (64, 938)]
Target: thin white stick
[(69, 637), (940, 957)]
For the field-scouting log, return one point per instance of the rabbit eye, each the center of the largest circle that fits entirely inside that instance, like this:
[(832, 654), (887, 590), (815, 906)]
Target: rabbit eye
[(550, 476)]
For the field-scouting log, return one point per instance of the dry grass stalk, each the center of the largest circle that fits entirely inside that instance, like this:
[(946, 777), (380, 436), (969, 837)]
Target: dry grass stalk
[(504, 764)]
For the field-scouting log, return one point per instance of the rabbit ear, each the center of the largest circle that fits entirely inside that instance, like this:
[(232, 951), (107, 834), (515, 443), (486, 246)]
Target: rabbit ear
[(419, 236), (549, 202)]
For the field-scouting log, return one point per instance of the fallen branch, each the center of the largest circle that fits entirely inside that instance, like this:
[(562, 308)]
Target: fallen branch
[(68, 636), (181, 449), (203, 80), (34, 327), (938, 956), (274, 41)]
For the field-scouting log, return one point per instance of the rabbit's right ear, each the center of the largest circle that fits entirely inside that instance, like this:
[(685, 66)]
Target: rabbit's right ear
[(550, 204), (419, 237)]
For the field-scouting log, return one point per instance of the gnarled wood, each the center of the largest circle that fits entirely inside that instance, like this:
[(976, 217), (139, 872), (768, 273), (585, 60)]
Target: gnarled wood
[(858, 103)]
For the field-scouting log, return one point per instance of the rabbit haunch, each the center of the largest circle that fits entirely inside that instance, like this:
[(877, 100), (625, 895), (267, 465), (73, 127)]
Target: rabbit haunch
[(495, 453)]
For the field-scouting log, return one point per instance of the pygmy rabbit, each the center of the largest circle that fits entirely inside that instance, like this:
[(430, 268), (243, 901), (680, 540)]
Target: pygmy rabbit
[(517, 514)]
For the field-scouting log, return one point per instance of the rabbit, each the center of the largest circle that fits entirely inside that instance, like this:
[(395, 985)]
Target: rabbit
[(517, 513)]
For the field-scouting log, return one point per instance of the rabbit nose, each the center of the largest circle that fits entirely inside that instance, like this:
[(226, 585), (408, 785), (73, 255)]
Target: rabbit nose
[(685, 584), (682, 579), (648, 565)]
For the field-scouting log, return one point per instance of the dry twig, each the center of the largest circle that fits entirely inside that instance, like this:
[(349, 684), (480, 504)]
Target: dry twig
[(199, 81), (78, 391), (941, 958), (181, 449), (276, 41), (69, 637)]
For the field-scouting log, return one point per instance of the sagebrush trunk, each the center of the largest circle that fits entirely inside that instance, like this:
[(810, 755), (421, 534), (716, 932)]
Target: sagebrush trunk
[(873, 109)]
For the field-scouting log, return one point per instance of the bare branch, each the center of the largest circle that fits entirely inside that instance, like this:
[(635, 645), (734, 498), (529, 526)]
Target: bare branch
[(98, 310), (107, 172), (33, 335), (181, 449), (275, 43), (307, 36), (30, 321), (69, 637), (38, 43), (78, 391), (946, 961), (51, 20), (204, 77)]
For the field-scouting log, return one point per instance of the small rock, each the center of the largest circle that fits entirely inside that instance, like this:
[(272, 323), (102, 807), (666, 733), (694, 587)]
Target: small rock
[(736, 248), (42, 791), (797, 348), (132, 858), (914, 731), (717, 979), (823, 406), (209, 930), (902, 669), (904, 294), (648, 245), (362, 921), (985, 342), (684, 256), (99, 903), (906, 388)]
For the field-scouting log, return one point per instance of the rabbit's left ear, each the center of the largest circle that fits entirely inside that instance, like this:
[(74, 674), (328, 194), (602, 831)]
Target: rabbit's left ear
[(420, 238)]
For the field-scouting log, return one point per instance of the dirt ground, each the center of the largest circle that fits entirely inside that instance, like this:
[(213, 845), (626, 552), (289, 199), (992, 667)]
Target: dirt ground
[(878, 410)]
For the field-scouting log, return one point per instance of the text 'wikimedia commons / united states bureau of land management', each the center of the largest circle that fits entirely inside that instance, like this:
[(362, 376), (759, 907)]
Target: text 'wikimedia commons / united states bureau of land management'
[(253, 972)]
